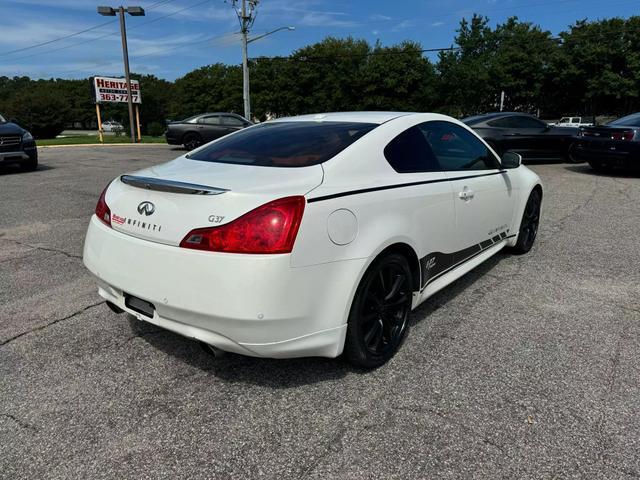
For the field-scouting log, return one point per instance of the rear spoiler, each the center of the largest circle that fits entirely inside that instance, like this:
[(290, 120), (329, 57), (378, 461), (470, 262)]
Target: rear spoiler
[(159, 184)]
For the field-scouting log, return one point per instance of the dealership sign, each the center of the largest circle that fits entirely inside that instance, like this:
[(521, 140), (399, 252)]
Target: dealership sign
[(107, 89)]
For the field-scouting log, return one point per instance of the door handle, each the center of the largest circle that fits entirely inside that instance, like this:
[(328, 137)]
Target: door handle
[(466, 194)]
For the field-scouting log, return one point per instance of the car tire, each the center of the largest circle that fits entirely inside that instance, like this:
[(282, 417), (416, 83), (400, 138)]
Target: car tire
[(571, 156), (30, 165), (379, 315), (192, 141), (529, 224)]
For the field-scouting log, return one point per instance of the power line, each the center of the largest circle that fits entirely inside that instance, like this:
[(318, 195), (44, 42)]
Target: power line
[(75, 34), (305, 58), (133, 27), (136, 58)]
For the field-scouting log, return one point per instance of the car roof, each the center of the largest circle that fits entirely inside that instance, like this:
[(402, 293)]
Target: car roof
[(354, 117), (484, 117), (215, 113)]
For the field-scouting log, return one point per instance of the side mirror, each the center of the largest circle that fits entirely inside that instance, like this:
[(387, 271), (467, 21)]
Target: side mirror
[(13, 120), (511, 160)]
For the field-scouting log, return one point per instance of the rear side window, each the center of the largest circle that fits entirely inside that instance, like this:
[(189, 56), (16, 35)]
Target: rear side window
[(456, 148), (410, 152), (232, 121), (284, 144), (528, 122), (505, 122), (211, 120)]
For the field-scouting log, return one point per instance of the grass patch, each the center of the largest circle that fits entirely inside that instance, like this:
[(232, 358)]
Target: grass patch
[(87, 139)]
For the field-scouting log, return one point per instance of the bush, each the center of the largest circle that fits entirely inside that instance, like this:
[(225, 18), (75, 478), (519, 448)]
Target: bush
[(155, 129)]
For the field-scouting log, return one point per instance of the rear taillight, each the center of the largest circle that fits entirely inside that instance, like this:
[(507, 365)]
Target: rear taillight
[(626, 135), (102, 209), (271, 228)]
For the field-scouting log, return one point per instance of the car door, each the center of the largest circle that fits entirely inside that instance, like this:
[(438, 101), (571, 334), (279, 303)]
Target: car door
[(482, 193), (428, 201), (534, 139), (210, 127)]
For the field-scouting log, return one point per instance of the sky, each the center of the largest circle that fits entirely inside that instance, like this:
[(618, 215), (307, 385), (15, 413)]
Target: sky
[(177, 36)]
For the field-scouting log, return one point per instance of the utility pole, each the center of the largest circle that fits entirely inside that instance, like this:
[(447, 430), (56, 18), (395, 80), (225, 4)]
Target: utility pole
[(246, 17)]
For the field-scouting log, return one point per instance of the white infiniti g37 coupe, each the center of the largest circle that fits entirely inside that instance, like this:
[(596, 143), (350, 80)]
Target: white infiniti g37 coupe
[(309, 236)]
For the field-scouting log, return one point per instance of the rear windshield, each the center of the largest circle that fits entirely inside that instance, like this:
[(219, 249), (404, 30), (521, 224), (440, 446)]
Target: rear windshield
[(284, 144), (628, 121)]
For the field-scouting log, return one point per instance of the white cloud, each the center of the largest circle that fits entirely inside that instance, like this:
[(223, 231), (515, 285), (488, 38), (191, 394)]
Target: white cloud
[(323, 19), (404, 24)]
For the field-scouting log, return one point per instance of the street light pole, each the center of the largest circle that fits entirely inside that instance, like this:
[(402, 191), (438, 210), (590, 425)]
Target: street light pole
[(125, 54), (134, 12)]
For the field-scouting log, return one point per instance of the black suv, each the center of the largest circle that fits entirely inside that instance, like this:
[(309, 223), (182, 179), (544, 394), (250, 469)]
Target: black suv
[(200, 129), (17, 146)]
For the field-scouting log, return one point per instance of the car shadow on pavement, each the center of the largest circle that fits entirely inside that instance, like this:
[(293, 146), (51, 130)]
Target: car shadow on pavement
[(586, 169), (290, 373), (13, 169)]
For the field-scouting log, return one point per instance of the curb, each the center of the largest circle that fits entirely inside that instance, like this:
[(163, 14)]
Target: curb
[(102, 145)]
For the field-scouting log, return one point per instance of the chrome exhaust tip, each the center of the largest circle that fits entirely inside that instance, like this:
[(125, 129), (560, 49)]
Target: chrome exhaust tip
[(215, 352)]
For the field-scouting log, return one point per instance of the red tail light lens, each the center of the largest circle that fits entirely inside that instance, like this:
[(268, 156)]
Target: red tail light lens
[(626, 135), (102, 209), (271, 228)]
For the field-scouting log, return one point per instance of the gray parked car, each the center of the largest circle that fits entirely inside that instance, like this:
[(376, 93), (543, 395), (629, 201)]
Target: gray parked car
[(200, 129)]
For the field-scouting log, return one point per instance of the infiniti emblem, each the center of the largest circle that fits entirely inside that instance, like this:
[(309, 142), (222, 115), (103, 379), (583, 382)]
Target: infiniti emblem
[(146, 208)]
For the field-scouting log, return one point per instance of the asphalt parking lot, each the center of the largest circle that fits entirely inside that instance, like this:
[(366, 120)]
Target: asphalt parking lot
[(528, 367)]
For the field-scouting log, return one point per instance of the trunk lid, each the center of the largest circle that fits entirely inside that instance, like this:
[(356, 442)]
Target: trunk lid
[(165, 202), (606, 132)]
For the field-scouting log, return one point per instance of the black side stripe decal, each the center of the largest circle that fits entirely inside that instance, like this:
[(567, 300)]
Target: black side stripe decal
[(398, 185), (436, 264)]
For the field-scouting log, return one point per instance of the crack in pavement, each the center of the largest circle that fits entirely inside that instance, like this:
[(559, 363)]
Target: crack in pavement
[(602, 439), (42, 327), (23, 424), (556, 227), (44, 249)]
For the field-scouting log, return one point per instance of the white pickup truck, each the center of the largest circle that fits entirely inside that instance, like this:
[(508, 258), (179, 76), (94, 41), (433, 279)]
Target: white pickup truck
[(573, 122)]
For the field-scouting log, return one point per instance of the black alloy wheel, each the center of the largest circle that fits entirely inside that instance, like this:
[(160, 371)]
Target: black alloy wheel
[(192, 141), (529, 223), (379, 315)]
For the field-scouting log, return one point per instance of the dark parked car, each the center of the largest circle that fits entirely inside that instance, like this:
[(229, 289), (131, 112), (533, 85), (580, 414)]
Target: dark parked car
[(17, 145), (524, 134), (200, 129), (615, 144)]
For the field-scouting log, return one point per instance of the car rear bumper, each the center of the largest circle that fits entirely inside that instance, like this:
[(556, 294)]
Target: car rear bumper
[(609, 157), (254, 305)]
